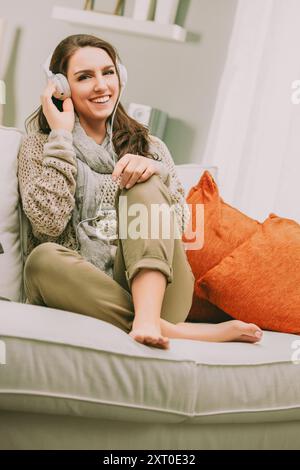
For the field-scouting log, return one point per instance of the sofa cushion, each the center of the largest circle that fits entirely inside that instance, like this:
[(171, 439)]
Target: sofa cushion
[(259, 282), (225, 228), (62, 363), (201, 310), (10, 216)]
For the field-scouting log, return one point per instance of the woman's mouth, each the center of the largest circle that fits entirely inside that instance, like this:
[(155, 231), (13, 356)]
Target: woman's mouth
[(103, 101)]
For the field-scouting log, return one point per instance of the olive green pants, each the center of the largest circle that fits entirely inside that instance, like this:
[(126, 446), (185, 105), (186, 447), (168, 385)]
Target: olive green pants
[(58, 277)]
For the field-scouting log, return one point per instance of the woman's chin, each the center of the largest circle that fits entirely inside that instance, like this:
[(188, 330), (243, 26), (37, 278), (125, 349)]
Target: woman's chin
[(97, 115), (90, 112), (104, 113)]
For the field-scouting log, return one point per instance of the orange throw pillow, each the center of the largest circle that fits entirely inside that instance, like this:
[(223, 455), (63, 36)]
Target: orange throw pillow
[(225, 228), (259, 282), (205, 312)]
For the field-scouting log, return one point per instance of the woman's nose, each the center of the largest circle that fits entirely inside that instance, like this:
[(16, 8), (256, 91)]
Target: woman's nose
[(100, 82)]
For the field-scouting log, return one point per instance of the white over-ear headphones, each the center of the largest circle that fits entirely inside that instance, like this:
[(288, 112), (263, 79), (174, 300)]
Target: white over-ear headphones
[(63, 90)]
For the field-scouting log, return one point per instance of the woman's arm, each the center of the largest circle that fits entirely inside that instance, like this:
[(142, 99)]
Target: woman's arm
[(47, 180)]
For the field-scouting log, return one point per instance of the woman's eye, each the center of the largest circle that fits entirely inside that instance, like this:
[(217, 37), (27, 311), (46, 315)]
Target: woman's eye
[(82, 77)]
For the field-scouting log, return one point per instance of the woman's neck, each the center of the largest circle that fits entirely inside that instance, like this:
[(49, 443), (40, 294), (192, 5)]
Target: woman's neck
[(96, 132)]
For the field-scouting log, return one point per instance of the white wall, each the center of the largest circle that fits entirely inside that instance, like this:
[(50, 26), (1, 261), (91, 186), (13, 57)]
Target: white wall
[(181, 79)]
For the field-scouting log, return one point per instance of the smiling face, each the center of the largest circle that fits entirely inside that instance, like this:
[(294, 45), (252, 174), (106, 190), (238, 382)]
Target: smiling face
[(91, 75)]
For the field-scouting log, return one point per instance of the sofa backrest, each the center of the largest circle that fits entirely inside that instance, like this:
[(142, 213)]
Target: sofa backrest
[(13, 222), (11, 261)]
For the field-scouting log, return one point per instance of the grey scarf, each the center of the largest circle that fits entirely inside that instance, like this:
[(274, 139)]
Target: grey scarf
[(93, 161)]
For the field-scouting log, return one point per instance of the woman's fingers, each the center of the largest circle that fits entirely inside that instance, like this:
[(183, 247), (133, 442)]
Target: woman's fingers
[(46, 98), (132, 174), (120, 165), (68, 105), (57, 119), (48, 91), (146, 175), (133, 169)]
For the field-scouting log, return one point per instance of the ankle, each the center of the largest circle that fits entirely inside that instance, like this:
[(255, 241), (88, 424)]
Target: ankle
[(145, 322)]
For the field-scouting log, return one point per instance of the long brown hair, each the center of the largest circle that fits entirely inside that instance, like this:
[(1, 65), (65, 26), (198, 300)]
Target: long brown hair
[(129, 136)]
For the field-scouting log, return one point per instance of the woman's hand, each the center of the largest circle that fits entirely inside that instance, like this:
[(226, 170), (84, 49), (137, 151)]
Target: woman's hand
[(134, 169), (57, 119)]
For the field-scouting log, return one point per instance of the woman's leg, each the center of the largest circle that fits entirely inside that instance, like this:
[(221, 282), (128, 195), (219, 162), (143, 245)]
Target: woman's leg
[(58, 277), (154, 270), (162, 297), (165, 255), (233, 330)]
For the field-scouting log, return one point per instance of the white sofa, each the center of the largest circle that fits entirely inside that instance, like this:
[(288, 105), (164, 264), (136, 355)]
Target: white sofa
[(68, 381)]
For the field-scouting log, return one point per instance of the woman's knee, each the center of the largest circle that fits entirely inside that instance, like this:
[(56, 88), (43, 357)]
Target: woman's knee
[(154, 186), (40, 258)]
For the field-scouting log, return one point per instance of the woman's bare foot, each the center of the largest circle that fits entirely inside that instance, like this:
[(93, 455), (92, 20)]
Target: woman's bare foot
[(150, 335), (247, 332), (232, 330), (236, 330)]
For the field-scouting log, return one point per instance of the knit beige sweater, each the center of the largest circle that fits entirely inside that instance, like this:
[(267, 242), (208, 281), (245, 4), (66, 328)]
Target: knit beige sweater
[(47, 170)]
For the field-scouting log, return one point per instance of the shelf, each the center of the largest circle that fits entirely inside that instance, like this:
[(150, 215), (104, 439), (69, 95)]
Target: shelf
[(125, 24)]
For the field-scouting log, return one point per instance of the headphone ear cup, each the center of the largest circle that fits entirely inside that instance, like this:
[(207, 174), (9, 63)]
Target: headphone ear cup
[(123, 74), (62, 86)]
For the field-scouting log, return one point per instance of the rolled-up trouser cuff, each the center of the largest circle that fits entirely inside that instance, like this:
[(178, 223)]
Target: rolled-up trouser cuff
[(150, 263)]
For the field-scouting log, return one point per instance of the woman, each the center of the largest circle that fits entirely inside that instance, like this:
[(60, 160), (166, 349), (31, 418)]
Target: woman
[(66, 165)]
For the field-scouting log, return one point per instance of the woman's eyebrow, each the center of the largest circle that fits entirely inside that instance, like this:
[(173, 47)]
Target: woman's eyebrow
[(90, 70)]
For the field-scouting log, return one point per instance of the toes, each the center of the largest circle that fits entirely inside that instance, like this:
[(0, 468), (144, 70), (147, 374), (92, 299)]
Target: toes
[(256, 331), (137, 337), (251, 329), (151, 339), (158, 342), (163, 339), (246, 339), (254, 326), (249, 339), (155, 344)]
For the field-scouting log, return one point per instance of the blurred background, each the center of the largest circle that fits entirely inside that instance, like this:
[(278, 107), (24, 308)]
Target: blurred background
[(226, 86)]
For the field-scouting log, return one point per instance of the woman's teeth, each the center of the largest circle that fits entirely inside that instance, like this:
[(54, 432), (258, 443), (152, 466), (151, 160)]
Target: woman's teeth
[(101, 100)]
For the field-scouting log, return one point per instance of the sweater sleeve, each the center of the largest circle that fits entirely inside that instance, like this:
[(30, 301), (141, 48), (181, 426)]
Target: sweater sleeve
[(47, 172), (169, 176)]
